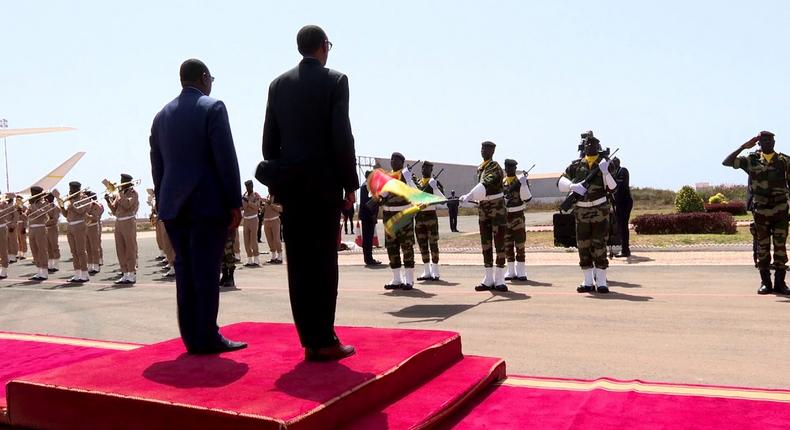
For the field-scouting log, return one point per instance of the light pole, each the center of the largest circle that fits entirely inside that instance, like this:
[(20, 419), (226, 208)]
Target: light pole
[(4, 124)]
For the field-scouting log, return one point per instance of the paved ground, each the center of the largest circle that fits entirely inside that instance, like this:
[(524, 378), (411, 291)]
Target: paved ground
[(688, 317)]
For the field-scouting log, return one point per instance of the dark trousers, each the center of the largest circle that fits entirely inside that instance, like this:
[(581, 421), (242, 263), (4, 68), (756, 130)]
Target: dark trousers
[(368, 231), (311, 232), (453, 219), (260, 224), (199, 245), (623, 214)]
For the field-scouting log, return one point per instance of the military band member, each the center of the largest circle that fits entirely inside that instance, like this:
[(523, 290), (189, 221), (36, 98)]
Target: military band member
[(591, 212), (426, 226), (271, 228), (21, 231), (492, 217), (124, 206), (169, 251), (13, 229), (403, 240), (250, 206), (37, 215), (93, 235), (517, 194), (53, 248), (769, 173), (6, 207), (77, 231)]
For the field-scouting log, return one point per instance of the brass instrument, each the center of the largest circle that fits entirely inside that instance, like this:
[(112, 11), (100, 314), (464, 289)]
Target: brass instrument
[(62, 200), (113, 189), (44, 209), (83, 202)]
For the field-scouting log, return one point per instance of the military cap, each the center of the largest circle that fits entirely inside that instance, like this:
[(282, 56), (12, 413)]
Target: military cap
[(398, 155), (125, 177), (75, 184), (427, 163), (588, 133), (766, 134), (248, 182), (510, 162), (489, 144), (19, 197), (35, 189), (592, 139)]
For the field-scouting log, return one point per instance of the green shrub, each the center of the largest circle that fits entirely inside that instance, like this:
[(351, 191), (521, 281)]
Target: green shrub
[(717, 198), (733, 192), (687, 200)]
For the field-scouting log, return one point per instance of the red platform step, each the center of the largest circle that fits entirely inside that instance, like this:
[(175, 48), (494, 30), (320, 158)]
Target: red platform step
[(266, 386)]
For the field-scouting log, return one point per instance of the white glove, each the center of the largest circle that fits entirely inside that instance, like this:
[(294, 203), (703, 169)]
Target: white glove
[(578, 188), (604, 165), (408, 177), (432, 182), (464, 198), (523, 180)]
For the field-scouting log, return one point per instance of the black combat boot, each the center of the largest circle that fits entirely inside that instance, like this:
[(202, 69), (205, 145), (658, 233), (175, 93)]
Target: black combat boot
[(224, 278), (779, 282), (765, 285), (230, 282)]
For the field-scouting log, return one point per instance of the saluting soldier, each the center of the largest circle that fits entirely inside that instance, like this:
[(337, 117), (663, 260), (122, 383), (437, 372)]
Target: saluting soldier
[(492, 217), (250, 206), (426, 226), (124, 206), (37, 215), (93, 235), (403, 240), (77, 232), (769, 173), (6, 207), (517, 194), (53, 248), (591, 212)]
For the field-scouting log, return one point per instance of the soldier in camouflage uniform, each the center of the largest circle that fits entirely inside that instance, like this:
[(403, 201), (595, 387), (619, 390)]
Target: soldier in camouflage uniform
[(492, 217), (228, 262), (404, 237), (517, 194), (591, 212), (769, 173), (426, 226)]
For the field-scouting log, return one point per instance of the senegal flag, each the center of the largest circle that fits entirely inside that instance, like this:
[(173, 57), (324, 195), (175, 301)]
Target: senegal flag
[(380, 182)]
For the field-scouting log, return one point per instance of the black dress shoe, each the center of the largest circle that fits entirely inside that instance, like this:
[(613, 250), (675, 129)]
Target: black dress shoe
[(373, 263), (765, 289), (393, 286), (782, 290), (483, 287), (585, 289), (509, 278), (406, 287), (603, 289), (329, 353), (223, 345), (501, 288), (425, 278), (520, 279)]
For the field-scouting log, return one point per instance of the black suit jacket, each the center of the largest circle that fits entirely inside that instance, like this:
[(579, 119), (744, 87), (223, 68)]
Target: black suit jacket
[(318, 159)]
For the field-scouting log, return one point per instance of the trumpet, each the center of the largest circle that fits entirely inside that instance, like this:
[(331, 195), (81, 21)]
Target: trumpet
[(62, 200), (83, 202), (113, 189), (43, 210)]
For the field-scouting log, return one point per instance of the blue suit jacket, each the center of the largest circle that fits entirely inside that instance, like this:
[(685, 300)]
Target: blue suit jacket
[(193, 159)]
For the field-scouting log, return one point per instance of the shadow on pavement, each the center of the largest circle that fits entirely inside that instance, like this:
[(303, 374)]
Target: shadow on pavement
[(622, 284), (440, 282), (505, 296), (532, 283), (415, 292), (613, 295), (428, 313), (635, 259), (116, 287)]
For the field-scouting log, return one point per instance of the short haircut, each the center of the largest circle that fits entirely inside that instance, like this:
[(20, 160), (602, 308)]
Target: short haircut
[(192, 70), (309, 39)]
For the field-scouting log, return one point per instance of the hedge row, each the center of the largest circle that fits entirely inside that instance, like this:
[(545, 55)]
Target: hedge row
[(685, 223), (734, 207)]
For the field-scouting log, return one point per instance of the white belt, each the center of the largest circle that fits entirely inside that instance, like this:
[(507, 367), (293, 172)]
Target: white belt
[(4, 225), (251, 217), (494, 196), (36, 225), (124, 218), (271, 219), (76, 222), (395, 208), (592, 203), (92, 224), (519, 208)]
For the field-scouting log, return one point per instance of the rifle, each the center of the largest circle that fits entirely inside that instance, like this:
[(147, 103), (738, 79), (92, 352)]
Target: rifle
[(572, 198), (524, 173), (436, 176), (412, 166)]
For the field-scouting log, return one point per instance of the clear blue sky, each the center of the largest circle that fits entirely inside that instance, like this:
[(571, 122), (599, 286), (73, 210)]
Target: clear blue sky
[(676, 85)]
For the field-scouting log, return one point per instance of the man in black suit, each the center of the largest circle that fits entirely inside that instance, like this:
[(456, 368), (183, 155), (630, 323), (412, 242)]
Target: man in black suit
[(307, 136), (198, 196), (368, 219), (452, 209), (623, 206)]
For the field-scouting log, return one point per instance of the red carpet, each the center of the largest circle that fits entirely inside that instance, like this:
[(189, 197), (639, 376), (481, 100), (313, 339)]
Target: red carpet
[(267, 385), (24, 354), (547, 404)]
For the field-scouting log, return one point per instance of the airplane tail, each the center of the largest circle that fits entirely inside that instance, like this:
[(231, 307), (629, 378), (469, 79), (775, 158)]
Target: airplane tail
[(52, 178)]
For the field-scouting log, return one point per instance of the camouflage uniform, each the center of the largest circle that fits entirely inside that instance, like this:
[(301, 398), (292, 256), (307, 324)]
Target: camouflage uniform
[(404, 237), (592, 215), (229, 261), (516, 233), (492, 215), (426, 227), (769, 185)]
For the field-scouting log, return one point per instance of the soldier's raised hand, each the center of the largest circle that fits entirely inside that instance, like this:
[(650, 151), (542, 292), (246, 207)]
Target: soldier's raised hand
[(751, 142)]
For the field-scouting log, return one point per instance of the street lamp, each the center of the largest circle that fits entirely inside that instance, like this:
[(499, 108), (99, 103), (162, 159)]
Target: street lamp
[(4, 124)]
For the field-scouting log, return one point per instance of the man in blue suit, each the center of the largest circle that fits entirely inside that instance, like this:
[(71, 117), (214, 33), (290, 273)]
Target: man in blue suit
[(198, 196)]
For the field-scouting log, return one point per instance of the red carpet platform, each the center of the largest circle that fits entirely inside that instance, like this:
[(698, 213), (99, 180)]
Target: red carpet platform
[(548, 404), (398, 379), (25, 354)]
